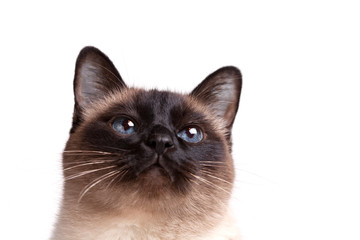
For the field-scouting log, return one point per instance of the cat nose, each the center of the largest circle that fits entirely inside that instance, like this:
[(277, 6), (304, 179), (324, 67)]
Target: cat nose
[(160, 141)]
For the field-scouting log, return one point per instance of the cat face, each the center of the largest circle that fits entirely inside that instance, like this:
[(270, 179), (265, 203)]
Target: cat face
[(130, 146)]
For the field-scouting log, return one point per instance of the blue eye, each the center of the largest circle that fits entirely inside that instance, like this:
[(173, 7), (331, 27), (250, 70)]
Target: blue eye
[(124, 126), (191, 134)]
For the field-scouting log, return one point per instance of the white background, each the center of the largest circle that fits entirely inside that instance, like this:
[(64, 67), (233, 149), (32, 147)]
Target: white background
[(296, 136)]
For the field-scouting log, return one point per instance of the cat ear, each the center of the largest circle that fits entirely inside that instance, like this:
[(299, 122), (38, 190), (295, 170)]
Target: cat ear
[(220, 91), (95, 78)]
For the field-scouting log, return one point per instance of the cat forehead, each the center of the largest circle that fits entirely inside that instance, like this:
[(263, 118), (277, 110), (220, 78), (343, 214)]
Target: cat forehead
[(147, 102), (159, 100)]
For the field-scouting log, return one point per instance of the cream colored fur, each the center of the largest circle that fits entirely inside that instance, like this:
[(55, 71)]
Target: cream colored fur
[(113, 228)]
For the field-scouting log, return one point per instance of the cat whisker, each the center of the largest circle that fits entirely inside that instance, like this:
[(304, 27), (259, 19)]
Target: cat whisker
[(85, 164), (87, 172), (211, 164), (121, 174), (87, 154), (192, 180), (95, 182), (209, 183), (209, 174), (207, 166), (92, 160), (69, 152), (214, 162), (187, 170), (112, 180)]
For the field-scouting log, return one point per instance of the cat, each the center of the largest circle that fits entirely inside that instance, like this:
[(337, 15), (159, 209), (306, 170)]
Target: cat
[(148, 164)]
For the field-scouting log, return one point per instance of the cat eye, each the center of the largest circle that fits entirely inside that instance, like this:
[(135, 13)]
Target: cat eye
[(124, 126), (191, 134)]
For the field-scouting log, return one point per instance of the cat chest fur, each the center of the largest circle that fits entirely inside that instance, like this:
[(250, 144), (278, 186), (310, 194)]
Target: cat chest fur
[(122, 229)]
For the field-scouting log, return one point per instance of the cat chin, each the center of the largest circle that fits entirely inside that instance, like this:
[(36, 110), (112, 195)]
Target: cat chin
[(155, 175), (153, 181)]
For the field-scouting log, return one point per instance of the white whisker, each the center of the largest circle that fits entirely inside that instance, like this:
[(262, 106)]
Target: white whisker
[(211, 162), (92, 160), (209, 174), (86, 151), (85, 164), (87, 172), (120, 174), (95, 182), (209, 183)]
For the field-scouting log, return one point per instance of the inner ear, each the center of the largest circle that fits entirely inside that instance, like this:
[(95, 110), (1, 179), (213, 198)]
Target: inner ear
[(220, 92), (95, 78)]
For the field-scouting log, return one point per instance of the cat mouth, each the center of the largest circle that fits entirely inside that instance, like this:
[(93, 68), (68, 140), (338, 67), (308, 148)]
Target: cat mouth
[(156, 170), (156, 173)]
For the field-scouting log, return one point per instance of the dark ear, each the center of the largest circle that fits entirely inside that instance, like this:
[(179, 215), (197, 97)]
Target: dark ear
[(220, 91), (95, 78)]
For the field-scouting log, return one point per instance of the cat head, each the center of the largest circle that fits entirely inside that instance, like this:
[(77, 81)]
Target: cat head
[(132, 146)]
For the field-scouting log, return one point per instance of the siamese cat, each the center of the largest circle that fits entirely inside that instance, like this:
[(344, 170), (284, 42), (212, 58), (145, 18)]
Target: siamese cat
[(148, 164)]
